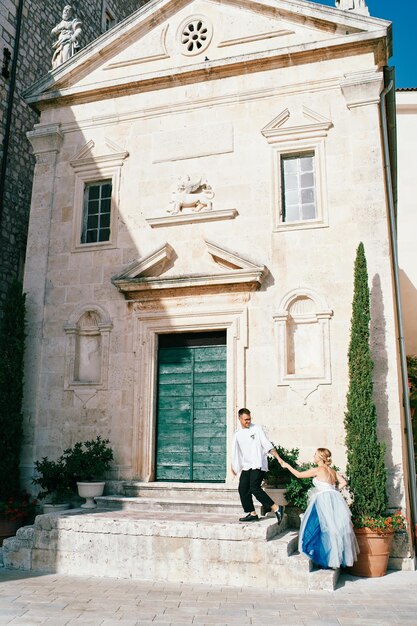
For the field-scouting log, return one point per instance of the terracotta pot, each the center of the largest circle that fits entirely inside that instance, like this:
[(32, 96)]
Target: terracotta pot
[(374, 553), (8, 528)]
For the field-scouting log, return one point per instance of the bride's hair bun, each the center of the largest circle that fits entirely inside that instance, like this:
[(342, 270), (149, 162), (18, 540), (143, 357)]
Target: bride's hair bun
[(325, 455)]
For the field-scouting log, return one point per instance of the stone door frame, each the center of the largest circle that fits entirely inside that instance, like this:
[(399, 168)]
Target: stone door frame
[(147, 327)]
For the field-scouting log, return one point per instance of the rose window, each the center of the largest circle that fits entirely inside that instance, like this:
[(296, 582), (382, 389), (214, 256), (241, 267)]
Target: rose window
[(195, 35)]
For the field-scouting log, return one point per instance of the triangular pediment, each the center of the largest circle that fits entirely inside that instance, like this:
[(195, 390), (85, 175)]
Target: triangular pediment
[(169, 41), (90, 153), (151, 265), (300, 121), (215, 268)]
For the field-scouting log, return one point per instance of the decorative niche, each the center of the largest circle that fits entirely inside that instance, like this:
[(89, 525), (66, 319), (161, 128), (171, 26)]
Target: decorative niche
[(303, 342), (87, 348)]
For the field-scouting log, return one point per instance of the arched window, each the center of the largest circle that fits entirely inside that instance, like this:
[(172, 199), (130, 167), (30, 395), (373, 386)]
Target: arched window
[(303, 334), (87, 349)]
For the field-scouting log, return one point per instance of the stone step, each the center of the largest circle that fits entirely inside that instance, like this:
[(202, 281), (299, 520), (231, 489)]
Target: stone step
[(169, 504), (186, 547), (196, 492)]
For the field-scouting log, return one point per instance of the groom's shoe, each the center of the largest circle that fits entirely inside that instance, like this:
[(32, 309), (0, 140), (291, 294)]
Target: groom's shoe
[(249, 518), (279, 514)]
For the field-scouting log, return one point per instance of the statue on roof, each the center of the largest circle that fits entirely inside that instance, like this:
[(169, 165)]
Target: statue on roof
[(69, 32), (356, 6)]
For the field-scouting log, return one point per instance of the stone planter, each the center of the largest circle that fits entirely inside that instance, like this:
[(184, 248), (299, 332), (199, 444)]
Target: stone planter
[(277, 494), (55, 508), (294, 516), (374, 551), (89, 491)]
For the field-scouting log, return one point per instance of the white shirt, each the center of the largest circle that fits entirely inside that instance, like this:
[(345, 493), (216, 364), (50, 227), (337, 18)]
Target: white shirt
[(250, 449)]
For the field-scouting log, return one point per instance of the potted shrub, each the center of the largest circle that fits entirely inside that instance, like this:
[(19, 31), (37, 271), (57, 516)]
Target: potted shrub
[(366, 471), (277, 477), (56, 483), (87, 462), (297, 495)]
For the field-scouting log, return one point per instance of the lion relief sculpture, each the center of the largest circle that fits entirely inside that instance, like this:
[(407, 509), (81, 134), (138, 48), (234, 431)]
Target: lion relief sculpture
[(189, 194)]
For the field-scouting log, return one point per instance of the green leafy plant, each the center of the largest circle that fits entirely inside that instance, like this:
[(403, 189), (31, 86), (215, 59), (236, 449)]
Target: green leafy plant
[(54, 479), (412, 386), (365, 454), (12, 344), (276, 475), (21, 507), (89, 460), (298, 488), (412, 379)]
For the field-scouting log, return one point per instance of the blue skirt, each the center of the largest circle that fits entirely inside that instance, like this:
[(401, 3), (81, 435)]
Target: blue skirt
[(326, 533)]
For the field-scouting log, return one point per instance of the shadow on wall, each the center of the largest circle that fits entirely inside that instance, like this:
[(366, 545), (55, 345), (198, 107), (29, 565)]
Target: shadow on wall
[(409, 303), (380, 358)]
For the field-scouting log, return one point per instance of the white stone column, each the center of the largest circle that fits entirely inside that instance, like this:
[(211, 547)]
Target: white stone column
[(46, 140)]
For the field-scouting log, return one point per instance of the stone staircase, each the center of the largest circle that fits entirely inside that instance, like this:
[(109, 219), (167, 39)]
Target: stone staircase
[(167, 532)]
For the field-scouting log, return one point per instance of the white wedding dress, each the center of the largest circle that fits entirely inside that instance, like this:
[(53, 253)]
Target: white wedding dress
[(326, 533)]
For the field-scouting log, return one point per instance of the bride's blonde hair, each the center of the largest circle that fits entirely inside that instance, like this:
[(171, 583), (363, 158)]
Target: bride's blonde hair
[(325, 455)]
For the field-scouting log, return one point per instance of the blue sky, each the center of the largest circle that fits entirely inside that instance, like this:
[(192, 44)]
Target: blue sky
[(403, 15)]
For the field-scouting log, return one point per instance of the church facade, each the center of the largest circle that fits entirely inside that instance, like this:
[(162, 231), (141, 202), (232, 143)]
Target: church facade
[(205, 172)]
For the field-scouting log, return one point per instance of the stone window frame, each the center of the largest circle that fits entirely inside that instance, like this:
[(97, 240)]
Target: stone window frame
[(284, 206), (91, 170), (304, 385), (106, 12), (301, 148), (286, 140), (100, 212), (104, 328)]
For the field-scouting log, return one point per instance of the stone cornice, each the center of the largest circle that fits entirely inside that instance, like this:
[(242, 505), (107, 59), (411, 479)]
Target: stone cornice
[(203, 71), (222, 100), (45, 138), (143, 275), (236, 277), (191, 218), (362, 88)]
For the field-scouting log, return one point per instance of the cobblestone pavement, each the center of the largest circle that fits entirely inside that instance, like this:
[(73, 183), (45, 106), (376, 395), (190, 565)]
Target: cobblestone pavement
[(27, 598)]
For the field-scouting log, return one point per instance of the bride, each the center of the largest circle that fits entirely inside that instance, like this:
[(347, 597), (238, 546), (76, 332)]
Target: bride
[(326, 533)]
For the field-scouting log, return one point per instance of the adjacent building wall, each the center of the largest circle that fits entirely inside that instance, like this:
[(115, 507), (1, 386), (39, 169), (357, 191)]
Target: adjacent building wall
[(407, 211), (34, 60)]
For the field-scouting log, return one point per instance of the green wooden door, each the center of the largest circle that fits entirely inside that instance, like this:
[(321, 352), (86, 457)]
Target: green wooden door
[(191, 428)]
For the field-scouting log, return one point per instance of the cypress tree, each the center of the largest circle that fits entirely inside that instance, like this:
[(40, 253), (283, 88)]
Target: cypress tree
[(365, 455), (12, 341)]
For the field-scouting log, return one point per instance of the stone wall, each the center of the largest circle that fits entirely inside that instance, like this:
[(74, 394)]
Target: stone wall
[(34, 60)]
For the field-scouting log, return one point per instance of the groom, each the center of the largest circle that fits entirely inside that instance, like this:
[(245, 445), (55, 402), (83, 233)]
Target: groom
[(250, 450)]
